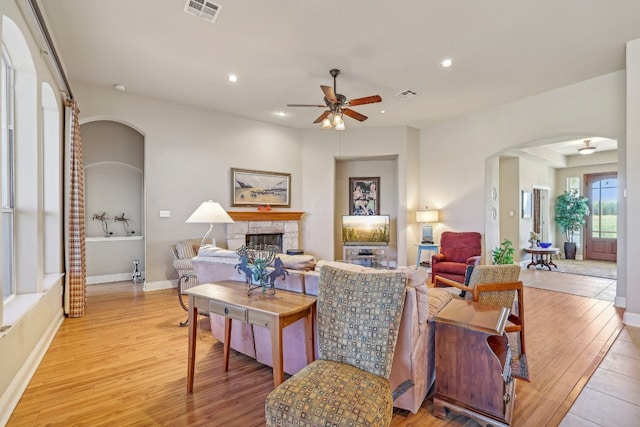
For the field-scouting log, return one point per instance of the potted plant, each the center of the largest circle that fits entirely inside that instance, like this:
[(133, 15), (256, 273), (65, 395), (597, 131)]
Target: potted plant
[(504, 253), (571, 213)]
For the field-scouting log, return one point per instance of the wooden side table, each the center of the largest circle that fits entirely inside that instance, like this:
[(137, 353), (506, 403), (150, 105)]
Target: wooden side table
[(229, 298), (542, 256), (435, 247), (473, 363)]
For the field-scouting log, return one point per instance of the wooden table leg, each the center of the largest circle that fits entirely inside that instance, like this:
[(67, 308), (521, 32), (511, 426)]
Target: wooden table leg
[(227, 342), (192, 343), (276, 352), (310, 338)]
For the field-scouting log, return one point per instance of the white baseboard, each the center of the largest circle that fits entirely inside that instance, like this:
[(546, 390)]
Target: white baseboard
[(11, 396), (108, 278), (620, 302), (631, 319), (123, 277), (161, 284)]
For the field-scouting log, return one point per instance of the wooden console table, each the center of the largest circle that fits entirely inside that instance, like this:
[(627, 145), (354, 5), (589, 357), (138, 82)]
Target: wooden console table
[(542, 256), (473, 363), (229, 298)]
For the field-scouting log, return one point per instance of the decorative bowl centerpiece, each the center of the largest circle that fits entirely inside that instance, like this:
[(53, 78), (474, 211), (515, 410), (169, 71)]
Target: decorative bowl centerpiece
[(254, 261), (545, 245)]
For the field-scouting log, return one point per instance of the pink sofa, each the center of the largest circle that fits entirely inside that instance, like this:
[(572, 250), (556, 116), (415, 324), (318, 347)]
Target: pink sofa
[(414, 357)]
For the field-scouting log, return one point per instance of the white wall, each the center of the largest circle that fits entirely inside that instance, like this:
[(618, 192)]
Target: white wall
[(35, 315), (509, 203), (455, 150), (532, 175), (188, 155), (320, 149), (387, 171), (630, 173)]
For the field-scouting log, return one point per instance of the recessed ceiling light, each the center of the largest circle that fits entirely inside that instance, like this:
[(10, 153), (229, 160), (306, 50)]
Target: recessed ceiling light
[(233, 78), (383, 111), (119, 87), (281, 113), (446, 63)]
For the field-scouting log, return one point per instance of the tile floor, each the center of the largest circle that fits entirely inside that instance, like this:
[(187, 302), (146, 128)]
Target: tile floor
[(611, 397)]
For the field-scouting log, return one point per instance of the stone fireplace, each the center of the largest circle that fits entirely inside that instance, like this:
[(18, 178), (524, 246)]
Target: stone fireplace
[(285, 223)]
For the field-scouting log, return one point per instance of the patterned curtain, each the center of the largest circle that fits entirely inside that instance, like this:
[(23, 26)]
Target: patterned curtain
[(537, 227), (75, 295)]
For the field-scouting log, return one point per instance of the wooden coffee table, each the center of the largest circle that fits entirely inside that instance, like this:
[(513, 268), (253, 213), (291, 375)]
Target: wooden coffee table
[(542, 256), (229, 299)]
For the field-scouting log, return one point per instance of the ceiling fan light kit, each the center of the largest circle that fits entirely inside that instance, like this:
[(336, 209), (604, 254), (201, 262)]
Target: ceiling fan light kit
[(337, 105), (587, 148)]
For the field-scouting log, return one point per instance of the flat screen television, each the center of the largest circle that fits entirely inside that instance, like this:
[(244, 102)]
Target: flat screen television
[(365, 230)]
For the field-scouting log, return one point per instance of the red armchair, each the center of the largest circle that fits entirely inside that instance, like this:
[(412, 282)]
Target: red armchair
[(457, 251)]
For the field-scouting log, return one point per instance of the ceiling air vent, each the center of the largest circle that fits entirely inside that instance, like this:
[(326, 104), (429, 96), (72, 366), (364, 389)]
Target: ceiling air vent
[(406, 94), (203, 9)]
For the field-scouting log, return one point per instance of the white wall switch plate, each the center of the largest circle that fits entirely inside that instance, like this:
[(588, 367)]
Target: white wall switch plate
[(165, 214)]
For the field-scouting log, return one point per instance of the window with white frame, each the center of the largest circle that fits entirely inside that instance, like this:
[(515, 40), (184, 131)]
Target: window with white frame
[(7, 177), (573, 184)]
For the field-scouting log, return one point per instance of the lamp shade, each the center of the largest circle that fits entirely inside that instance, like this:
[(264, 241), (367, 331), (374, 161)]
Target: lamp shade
[(428, 216), (210, 212)]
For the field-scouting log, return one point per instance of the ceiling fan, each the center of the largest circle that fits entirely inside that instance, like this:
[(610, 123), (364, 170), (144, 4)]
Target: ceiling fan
[(337, 105)]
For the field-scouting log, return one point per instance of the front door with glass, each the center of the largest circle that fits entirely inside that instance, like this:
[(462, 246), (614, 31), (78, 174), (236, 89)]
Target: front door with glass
[(602, 227)]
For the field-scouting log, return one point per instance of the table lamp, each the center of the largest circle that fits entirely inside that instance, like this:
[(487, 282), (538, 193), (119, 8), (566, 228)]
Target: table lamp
[(210, 212), (427, 216)]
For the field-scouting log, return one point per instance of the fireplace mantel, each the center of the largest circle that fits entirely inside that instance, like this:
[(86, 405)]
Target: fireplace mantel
[(265, 216)]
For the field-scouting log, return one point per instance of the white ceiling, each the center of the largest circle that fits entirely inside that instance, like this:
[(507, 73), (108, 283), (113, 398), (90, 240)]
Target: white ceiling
[(282, 51)]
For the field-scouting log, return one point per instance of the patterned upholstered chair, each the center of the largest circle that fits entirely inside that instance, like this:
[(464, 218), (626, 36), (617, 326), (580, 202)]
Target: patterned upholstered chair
[(358, 316), (497, 285)]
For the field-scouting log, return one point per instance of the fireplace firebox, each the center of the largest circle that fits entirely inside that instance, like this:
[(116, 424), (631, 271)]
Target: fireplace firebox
[(264, 239)]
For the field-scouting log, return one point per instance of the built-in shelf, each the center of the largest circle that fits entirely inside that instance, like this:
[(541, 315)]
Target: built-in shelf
[(112, 238), (265, 216)]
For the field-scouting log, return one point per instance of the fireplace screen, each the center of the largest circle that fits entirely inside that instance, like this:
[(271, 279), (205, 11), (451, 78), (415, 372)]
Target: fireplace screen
[(264, 239)]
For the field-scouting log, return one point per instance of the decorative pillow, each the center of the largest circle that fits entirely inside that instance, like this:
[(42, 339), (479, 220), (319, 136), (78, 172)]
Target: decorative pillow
[(298, 262), (438, 298), (211, 250), (187, 249)]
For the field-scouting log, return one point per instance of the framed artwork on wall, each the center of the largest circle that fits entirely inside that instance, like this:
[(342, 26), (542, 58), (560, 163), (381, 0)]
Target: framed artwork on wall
[(364, 196), (259, 188), (526, 204)]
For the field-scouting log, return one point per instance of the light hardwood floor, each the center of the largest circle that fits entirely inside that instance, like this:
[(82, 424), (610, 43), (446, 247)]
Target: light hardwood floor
[(125, 362)]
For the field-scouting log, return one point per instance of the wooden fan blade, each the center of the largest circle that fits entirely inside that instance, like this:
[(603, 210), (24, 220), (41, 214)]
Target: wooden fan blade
[(354, 114), (322, 116), (329, 93), (306, 105), (366, 100)]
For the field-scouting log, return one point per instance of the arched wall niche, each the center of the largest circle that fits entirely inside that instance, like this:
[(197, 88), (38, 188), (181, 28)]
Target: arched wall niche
[(113, 154)]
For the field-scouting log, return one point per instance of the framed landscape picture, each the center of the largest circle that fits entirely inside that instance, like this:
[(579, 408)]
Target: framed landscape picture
[(258, 188), (364, 196)]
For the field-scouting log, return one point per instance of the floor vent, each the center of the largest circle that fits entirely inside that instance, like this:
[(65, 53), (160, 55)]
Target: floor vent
[(406, 94), (203, 9)]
